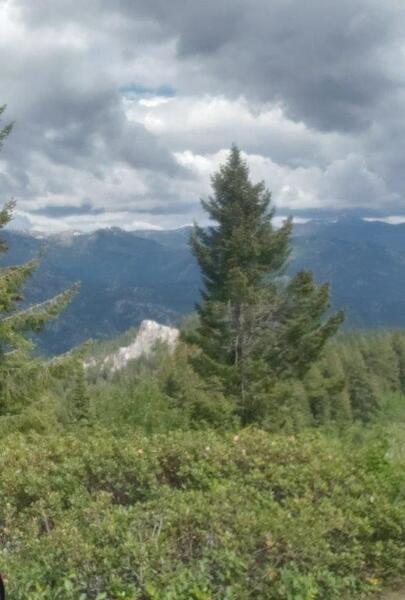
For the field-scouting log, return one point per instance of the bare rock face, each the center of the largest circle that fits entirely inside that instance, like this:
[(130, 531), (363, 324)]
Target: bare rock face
[(149, 335)]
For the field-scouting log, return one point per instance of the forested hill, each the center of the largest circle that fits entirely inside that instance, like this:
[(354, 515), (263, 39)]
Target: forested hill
[(130, 276)]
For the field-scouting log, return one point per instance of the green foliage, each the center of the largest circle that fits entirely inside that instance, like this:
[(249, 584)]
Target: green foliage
[(371, 369), (189, 394), (340, 387), (155, 393), (135, 403), (198, 515), (4, 133), (398, 343), (254, 330), (350, 381), (20, 375), (80, 398)]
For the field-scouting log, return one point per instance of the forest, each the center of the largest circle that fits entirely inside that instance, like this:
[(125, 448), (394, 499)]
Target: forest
[(261, 458)]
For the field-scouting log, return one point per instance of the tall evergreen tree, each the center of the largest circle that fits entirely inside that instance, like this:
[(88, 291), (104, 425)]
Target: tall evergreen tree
[(398, 341), (361, 383), (19, 371), (316, 386), (381, 359), (254, 330), (80, 400), (340, 410)]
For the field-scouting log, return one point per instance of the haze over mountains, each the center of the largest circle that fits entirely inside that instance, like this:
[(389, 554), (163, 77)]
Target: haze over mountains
[(127, 277)]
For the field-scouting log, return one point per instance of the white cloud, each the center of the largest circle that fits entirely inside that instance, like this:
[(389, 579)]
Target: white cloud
[(390, 219), (313, 95)]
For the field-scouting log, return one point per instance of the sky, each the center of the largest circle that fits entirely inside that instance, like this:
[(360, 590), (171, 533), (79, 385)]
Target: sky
[(124, 108)]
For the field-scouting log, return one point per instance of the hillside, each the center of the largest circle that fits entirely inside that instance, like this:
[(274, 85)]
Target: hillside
[(127, 277), (124, 280)]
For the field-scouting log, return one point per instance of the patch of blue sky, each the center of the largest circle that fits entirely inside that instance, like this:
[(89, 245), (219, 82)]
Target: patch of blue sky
[(132, 90)]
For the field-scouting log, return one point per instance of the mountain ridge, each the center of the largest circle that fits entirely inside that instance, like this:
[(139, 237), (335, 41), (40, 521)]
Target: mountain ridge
[(127, 277)]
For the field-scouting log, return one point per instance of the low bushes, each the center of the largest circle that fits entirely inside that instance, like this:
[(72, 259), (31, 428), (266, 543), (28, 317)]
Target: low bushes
[(197, 516)]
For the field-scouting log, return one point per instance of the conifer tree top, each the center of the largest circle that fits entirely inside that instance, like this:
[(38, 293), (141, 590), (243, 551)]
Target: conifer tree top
[(254, 329)]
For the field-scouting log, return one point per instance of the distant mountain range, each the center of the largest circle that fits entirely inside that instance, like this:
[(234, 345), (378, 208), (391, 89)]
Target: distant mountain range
[(127, 277)]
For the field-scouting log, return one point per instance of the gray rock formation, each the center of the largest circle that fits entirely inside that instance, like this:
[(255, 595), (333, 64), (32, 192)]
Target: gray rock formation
[(149, 335)]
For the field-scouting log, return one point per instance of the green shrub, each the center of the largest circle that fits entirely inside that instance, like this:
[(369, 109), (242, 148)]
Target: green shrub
[(197, 515), (136, 404)]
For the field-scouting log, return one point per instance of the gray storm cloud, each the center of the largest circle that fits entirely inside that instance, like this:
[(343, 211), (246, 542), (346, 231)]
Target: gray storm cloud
[(313, 92)]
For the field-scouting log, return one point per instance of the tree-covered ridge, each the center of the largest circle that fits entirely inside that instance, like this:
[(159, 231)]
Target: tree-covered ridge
[(349, 383), (127, 277)]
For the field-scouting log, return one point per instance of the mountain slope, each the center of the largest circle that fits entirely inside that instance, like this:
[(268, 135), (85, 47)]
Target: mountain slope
[(124, 280), (365, 264), (127, 277)]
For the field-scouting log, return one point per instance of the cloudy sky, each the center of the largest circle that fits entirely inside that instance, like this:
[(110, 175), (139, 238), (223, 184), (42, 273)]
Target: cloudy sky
[(123, 108)]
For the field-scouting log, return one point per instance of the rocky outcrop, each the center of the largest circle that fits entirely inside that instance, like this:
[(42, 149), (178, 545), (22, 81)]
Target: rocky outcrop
[(149, 335)]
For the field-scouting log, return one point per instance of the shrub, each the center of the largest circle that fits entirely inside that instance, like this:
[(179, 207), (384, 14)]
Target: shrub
[(197, 515)]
